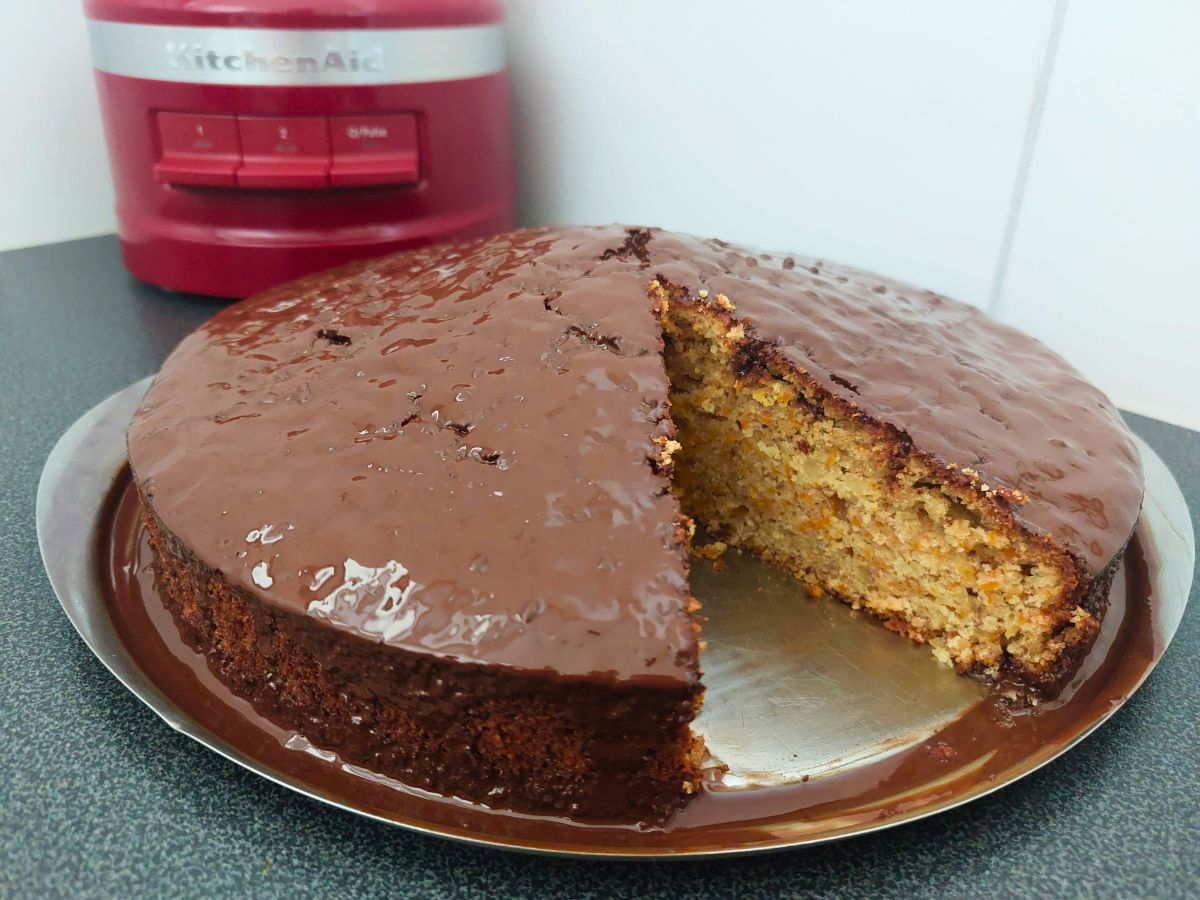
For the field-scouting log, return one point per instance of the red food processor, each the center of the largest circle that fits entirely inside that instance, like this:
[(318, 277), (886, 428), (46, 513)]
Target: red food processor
[(254, 141)]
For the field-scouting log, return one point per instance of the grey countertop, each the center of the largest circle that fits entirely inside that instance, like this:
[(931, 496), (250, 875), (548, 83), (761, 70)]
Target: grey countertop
[(99, 797)]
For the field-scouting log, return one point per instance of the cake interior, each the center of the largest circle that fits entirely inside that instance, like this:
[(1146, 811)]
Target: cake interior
[(771, 464)]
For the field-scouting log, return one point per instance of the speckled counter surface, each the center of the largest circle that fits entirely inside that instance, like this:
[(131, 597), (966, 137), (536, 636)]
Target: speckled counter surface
[(99, 798)]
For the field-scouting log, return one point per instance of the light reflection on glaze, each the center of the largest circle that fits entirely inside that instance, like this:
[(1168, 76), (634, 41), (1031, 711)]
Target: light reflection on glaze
[(321, 576), (267, 534), (261, 574), (375, 601)]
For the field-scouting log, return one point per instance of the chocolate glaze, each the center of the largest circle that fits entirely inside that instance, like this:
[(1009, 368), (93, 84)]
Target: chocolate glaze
[(467, 431), (470, 429), (984, 749)]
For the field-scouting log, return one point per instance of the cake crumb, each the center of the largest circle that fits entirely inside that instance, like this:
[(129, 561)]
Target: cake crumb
[(709, 551), (725, 303), (941, 751)]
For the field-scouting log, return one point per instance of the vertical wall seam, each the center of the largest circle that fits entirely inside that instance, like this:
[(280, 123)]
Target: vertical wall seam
[(1033, 124)]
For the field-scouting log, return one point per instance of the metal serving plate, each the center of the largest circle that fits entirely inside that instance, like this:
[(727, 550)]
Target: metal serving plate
[(797, 690)]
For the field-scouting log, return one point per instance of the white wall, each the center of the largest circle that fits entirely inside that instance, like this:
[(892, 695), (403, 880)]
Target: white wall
[(1107, 244), (56, 184), (878, 133), (1038, 159)]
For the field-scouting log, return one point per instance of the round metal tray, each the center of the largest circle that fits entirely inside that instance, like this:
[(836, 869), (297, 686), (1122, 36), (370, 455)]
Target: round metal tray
[(805, 706)]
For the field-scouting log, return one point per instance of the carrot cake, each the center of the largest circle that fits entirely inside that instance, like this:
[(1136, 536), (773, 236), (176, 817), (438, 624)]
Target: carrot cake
[(433, 511)]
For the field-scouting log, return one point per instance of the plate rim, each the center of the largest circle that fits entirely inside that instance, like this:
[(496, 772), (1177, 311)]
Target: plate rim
[(83, 604)]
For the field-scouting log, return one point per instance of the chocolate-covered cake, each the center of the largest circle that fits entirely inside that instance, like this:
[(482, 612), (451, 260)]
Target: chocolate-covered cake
[(433, 511)]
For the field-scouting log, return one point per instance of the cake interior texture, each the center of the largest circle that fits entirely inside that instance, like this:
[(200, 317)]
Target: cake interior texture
[(772, 464)]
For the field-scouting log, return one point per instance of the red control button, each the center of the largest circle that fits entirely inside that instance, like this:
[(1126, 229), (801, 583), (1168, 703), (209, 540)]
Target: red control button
[(374, 150), (284, 153), (198, 149)]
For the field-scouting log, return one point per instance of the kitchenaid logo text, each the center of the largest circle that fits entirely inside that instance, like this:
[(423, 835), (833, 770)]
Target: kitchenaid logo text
[(194, 58)]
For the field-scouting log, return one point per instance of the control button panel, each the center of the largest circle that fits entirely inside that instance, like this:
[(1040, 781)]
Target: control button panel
[(198, 149), (310, 152), (283, 153), (371, 150)]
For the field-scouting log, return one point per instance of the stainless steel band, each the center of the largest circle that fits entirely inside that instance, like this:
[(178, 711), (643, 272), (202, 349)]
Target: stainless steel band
[(281, 57)]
